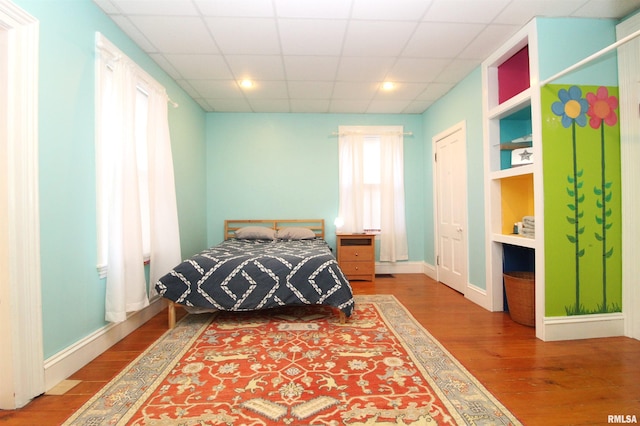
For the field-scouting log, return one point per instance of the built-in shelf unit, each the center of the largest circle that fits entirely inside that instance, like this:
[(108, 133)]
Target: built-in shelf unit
[(511, 114)]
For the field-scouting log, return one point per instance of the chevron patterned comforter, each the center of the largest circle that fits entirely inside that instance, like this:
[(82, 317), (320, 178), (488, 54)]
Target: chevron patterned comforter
[(243, 275)]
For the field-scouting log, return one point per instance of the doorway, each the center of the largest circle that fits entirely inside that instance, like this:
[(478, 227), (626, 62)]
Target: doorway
[(21, 353), (450, 189)]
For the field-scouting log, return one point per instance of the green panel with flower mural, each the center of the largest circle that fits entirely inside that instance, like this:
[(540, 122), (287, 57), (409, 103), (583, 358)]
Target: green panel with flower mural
[(582, 192)]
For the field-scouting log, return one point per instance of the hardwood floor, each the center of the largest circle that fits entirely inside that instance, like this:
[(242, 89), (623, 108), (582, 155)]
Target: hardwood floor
[(579, 382)]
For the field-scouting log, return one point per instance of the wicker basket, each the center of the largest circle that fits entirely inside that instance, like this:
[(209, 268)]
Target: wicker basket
[(520, 288)]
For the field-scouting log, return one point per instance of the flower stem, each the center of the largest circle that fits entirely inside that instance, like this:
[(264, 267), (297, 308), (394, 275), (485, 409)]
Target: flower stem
[(576, 216)]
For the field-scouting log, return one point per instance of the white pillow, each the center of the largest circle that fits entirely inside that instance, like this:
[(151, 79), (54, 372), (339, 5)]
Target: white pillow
[(293, 233), (255, 233)]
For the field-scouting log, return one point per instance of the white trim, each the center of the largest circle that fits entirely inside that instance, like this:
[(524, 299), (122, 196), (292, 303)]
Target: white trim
[(66, 362), (405, 268), (628, 75), (478, 296), (21, 357), (583, 326)]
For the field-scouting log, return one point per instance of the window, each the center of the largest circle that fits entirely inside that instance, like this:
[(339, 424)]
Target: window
[(136, 205), (371, 186)]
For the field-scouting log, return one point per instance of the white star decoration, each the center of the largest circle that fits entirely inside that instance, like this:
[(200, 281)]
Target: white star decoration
[(525, 155)]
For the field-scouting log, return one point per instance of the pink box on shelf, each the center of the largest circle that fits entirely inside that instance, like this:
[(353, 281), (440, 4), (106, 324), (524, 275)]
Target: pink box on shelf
[(513, 75)]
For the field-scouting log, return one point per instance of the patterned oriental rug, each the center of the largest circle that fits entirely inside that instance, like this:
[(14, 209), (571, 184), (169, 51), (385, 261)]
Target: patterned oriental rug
[(296, 366)]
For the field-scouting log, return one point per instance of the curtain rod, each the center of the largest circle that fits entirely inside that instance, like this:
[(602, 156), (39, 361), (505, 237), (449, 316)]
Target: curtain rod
[(361, 133), (592, 57), (116, 56)]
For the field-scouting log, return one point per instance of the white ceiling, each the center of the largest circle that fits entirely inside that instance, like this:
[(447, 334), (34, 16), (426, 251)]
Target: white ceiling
[(330, 55)]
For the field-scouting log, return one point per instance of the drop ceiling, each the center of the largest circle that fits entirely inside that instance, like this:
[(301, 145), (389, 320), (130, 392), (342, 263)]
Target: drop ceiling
[(330, 56)]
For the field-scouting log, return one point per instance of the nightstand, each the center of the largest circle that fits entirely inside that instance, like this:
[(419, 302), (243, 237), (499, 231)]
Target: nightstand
[(356, 256)]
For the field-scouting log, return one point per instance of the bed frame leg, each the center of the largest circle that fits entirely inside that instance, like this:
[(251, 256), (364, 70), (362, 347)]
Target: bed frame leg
[(343, 317), (172, 314)]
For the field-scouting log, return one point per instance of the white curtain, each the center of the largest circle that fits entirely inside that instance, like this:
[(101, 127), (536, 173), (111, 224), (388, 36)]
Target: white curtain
[(351, 181), (126, 289), (393, 236), (164, 231), (137, 211)]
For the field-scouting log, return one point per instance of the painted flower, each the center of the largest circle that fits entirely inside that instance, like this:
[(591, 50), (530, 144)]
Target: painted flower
[(602, 107), (572, 107)]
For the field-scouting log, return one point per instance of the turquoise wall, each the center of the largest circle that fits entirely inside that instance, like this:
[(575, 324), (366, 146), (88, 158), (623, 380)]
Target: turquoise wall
[(563, 42), (269, 166), (72, 293), (462, 103)]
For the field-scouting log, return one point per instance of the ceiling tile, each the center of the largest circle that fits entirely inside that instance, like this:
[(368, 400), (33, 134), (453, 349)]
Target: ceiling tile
[(235, 8), (325, 9), (465, 11), (405, 10), (417, 107), (310, 89), (309, 105), (364, 68), (377, 38), (229, 105), (270, 105), (267, 90), (176, 34), (519, 12), (440, 40), (138, 37), (200, 67), (417, 69), (387, 107), (254, 67), (401, 91), (311, 36), (217, 89), (355, 90), (156, 7), (242, 36), (481, 47), (605, 9), (457, 70), (434, 91), (346, 106), (309, 68)]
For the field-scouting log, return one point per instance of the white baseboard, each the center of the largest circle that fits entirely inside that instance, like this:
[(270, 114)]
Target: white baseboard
[(583, 327), (478, 296), (66, 362), (406, 268)]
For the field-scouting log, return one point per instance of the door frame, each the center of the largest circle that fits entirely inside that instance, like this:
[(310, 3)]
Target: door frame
[(21, 343), (628, 75), (458, 127)]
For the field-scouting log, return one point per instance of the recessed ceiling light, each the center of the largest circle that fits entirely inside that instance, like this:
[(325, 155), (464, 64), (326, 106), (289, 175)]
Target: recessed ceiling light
[(388, 85), (247, 84)]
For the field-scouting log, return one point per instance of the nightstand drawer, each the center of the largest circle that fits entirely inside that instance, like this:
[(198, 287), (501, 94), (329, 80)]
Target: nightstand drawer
[(356, 253), (357, 268)]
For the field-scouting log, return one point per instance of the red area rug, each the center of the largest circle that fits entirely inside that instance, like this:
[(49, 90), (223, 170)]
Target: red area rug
[(296, 366)]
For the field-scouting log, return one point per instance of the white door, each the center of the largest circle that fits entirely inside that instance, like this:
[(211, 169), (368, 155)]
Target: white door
[(451, 207)]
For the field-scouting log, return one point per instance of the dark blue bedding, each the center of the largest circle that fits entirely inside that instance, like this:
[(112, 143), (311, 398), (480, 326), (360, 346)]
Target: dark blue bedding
[(244, 275)]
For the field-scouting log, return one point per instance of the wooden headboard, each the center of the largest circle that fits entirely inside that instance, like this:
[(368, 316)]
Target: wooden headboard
[(316, 225)]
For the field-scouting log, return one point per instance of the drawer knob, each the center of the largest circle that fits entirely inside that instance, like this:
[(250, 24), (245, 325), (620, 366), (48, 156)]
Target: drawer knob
[(357, 253)]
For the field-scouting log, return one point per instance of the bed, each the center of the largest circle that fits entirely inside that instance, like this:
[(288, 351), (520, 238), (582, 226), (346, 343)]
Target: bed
[(261, 264)]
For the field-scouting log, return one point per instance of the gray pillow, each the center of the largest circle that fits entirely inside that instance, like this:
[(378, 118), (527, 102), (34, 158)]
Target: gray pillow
[(293, 233), (255, 233)]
